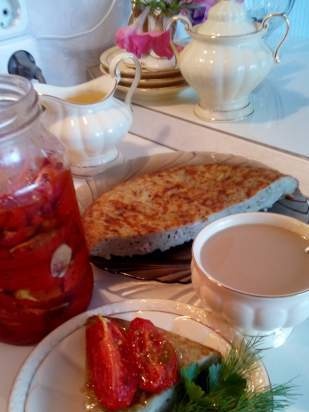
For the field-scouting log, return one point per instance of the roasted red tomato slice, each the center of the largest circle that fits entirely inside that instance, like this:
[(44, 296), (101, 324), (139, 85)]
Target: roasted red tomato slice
[(111, 374), (154, 356)]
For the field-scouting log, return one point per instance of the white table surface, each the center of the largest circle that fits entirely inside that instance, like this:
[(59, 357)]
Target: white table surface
[(276, 134), (281, 102), (289, 361)]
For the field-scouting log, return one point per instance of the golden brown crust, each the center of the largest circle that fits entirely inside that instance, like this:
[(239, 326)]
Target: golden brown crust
[(171, 198)]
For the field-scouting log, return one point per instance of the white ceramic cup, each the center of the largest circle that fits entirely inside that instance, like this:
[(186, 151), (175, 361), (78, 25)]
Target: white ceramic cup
[(272, 316)]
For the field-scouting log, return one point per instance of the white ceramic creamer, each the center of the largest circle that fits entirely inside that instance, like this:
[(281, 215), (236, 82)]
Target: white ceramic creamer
[(88, 119)]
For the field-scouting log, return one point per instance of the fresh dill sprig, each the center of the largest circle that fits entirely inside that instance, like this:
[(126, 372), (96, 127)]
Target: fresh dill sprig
[(223, 386), (276, 398), (243, 358)]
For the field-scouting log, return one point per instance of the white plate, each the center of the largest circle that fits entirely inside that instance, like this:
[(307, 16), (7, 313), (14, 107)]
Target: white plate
[(150, 83), (128, 71), (156, 83), (53, 376), (154, 94)]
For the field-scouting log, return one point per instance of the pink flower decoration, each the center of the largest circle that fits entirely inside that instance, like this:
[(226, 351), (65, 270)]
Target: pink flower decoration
[(161, 44), (134, 40), (128, 39)]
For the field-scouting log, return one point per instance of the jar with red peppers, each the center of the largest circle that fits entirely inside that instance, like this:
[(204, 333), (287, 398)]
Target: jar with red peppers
[(45, 275)]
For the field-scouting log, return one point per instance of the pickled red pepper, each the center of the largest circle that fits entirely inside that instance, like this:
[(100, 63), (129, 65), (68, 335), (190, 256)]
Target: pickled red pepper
[(45, 276)]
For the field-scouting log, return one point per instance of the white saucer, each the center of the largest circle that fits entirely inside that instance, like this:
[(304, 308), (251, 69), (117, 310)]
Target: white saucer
[(128, 71), (151, 82), (151, 94), (53, 377)]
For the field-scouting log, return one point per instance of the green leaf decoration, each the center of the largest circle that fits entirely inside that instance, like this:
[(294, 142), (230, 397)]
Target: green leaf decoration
[(190, 372), (214, 375), (222, 386)]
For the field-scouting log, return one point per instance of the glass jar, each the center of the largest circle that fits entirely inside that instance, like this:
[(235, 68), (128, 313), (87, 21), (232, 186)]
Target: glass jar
[(45, 275)]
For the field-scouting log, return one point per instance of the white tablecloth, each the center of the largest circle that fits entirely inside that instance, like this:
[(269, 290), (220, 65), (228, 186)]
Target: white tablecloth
[(289, 361)]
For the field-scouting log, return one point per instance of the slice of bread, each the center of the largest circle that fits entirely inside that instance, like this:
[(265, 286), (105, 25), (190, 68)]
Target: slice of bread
[(165, 209), (188, 352)]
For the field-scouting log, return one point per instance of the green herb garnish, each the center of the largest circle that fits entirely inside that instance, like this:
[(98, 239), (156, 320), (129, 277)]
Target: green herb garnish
[(223, 387), (167, 8)]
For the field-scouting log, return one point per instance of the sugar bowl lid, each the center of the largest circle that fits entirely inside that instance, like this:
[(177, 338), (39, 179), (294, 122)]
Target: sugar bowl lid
[(227, 18)]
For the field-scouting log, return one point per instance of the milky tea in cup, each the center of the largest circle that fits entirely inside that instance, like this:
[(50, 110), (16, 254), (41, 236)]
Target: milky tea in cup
[(260, 259), (253, 270)]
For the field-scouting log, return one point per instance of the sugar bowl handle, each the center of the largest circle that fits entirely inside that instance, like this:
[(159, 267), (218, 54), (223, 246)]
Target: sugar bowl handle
[(170, 25), (114, 70), (265, 25)]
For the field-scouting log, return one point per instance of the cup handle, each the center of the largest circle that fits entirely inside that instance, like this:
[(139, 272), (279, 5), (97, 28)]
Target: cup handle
[(114, 70), (171, 23), (265, 25)]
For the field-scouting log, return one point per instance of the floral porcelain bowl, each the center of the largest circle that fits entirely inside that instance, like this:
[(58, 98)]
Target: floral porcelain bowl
[(271, 315)]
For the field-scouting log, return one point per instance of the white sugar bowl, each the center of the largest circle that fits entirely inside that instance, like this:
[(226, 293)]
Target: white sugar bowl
[(253, 313), (226, 60)]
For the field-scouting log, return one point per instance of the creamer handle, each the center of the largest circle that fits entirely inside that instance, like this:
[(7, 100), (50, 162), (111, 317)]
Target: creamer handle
[(265, 25), (170, 25), (114, 70)]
